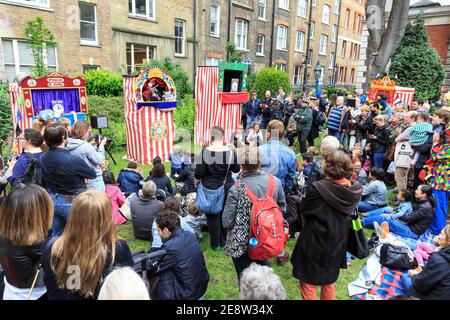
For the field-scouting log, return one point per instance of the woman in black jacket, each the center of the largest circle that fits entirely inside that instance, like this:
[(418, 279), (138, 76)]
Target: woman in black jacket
[(159, 177), (321, 248), (25, 220), (379, 141), (362, 124)]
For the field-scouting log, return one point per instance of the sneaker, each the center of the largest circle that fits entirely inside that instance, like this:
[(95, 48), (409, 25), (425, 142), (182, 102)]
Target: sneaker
[(373, 241), (282, 260)]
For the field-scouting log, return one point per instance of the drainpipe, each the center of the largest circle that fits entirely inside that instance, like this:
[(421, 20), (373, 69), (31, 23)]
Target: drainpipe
[(333, 79), (308, 43), (195, 43), (273, 31)]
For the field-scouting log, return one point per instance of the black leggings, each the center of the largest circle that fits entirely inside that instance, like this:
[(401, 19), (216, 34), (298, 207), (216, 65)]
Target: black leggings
[(217, 233), (302, 137)]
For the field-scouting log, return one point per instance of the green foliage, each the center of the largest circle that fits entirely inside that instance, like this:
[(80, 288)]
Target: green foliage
[(5, 112), (233, 54), (103, 83), (39, 38), (272, 79), (184, 115), (251, 79), (339, 91), (178, 74), (415, 35)]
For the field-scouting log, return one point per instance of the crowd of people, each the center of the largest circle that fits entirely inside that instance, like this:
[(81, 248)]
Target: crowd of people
[(59, 222)]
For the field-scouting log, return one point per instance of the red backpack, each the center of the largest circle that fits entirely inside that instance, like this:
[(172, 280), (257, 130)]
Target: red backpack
[(267, 225)]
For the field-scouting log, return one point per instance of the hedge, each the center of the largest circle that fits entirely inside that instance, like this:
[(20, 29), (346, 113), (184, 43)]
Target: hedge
[(271, 79)]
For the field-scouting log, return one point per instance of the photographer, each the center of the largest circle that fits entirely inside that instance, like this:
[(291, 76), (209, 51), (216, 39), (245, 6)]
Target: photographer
[(266, 107), (78, 146)]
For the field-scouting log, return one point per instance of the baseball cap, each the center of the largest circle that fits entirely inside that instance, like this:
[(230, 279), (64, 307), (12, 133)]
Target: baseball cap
[(46, 115)]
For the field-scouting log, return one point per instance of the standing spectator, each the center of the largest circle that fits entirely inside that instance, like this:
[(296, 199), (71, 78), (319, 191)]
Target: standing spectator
[(375, 193), (238, 208), (384, 106), (63, 174), (320, 250), (266, 107), (417, 104), (89, 245), (317, 122), (363, 124), (289, 110), (217, 162), (291, 132), (129, 179), (255, 136), (162, 181), (379, 141), (422, 154), (144, 210), (335, 118), (276, 158), (79, 147), (420, 133), (440, 120), (176, 161), (33, 141), (114, 193), (323, 102), (304, 117), (183, 274), (25, 220), (261, 283), (253, 110)]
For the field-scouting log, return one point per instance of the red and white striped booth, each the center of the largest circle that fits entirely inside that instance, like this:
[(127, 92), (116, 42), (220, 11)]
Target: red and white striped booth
[(396, 94)]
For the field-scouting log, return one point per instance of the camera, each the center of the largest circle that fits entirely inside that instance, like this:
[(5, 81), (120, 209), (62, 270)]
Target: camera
[(101, 137)]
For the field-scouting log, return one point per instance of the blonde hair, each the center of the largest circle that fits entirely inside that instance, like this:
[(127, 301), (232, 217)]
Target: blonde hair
[(123, 284), (176, 148), (381, 118), (313, 150), (80, 128), (26, 215), (89, 235), (38, 125), (445, 233)]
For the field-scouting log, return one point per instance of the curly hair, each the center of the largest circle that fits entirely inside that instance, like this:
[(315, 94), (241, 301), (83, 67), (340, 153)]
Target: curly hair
[(337, 165), (261, 283)]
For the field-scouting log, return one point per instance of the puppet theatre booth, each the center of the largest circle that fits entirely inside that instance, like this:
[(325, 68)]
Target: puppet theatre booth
[(149, 98), (396, 94), (219, 92)]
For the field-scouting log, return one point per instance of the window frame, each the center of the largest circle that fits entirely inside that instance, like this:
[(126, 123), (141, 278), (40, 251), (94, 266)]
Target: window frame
[(323, 53), (31, 4), (217, 33), (147, 10), (346, 18), (334, 34), (264, 17), (285, 40), (344, 48), (331, 65), (85, 41), (312, 30), (183, 38), (148, 48), (302, 48), (329, 13), (305, 2), (211, 65), (336, 7), (280, 66), (287, 2), (297, 76), (244, 34), (263, 37)]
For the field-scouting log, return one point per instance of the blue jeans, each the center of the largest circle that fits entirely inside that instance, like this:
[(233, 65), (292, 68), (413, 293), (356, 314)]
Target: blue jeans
[(62, 211), (440, 211), (336, 133), (401, 229), (377, 215), (96, 184), (407, 282), (250, 121), (378, 159), (364, 206)]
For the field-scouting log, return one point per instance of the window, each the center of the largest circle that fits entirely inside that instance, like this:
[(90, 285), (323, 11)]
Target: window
[(313, 27), (283, 4), (241, 34), (323, 44), (17, 57), (88, 23), (314, 3), (280, 66), (309, 56), (355, 18), (180, 38), (322, 75), (300, 41), (344, 48), (138, 55), (297, 75), (142, 8), (282, 38), (331, 61), (88, 67), (346, 17), (326, 14), (336, 6), (334, 35), (215, 21), (352, 76), (301, 8), (260, 45), (212, 62), (262, 9), (38, 3)]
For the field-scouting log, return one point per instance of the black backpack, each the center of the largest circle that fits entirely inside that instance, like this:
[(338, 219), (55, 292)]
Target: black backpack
[(33, 172), (320, 119)]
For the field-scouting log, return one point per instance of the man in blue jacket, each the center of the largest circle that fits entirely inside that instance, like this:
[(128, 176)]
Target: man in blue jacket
[(253, 110)]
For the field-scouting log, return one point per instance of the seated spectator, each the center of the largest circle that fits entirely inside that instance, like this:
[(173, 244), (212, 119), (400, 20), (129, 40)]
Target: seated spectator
[(176, 160), (404, 208), (144, 210), (25, 220), (329, 144), (33, 141), (89, 246), (375, 192), (183, 274), (123, 284), (113, 192), (129, 179), (433, 281), (187, 178), (310, 173), (415, 224), (359, 174), (194, 218), (65, 123), (162, 181), (261, 283), (187, 160)]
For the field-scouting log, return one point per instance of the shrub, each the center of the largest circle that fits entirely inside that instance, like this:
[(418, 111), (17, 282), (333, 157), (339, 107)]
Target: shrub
[(184, 115), (5, 112), (271, 79), (103, 83)]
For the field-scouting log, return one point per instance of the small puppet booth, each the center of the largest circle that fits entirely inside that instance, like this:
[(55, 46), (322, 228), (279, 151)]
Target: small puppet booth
[(219, 92), (149, 98), (396, 94)]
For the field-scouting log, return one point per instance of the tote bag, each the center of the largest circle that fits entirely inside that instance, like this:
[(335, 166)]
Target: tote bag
[(357, 243)]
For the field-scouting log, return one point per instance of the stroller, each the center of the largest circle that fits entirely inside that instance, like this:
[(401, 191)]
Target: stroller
[(147, 265)]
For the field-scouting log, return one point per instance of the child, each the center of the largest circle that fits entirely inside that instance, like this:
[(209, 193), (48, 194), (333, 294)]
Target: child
[(317, 159), (309, 173), (377, 215), (186, 181), (113, 192), (186, 160), (375, 192), (176, 159), (420, 133), (129, 179), (359, 174), (195, 219), (255, 137)]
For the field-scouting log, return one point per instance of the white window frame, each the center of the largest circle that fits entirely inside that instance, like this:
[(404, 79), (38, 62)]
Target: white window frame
[(282, 37), (312, 30), (314, 3), (213, 59), (244, 35), (322, 45), (84, 41), (344, 49), (346, 18), (334, 34), (326, 18), (262, 4), (35, 3), (301, 10), (297, 76), (330, 66), (183, 37), (280, 66), (336, 7), (260, 36), (302, 42), (283, 4), (147, 54), (147, 15), (217, 32), (322, 75)]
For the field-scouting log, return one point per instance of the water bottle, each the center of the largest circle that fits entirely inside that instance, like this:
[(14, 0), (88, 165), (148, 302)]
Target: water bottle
[(253, 242)]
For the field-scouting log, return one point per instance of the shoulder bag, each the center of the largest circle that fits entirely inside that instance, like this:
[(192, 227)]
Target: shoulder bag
[(357, 243)]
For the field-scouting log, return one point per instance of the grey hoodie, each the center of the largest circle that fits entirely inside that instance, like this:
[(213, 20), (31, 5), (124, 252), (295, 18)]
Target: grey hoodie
[(87, 152)]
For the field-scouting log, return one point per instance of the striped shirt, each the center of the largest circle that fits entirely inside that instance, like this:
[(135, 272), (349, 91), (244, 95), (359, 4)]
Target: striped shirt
[(334, 119)]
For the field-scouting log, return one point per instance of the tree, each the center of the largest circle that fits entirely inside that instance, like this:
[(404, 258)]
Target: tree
[(233, 54), (271, 79), (416, 64), (5, 112), (383, 39), (39, 39)]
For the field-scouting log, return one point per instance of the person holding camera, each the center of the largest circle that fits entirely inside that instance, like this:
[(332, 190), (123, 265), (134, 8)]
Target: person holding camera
[(94, 158), (304, 117)]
